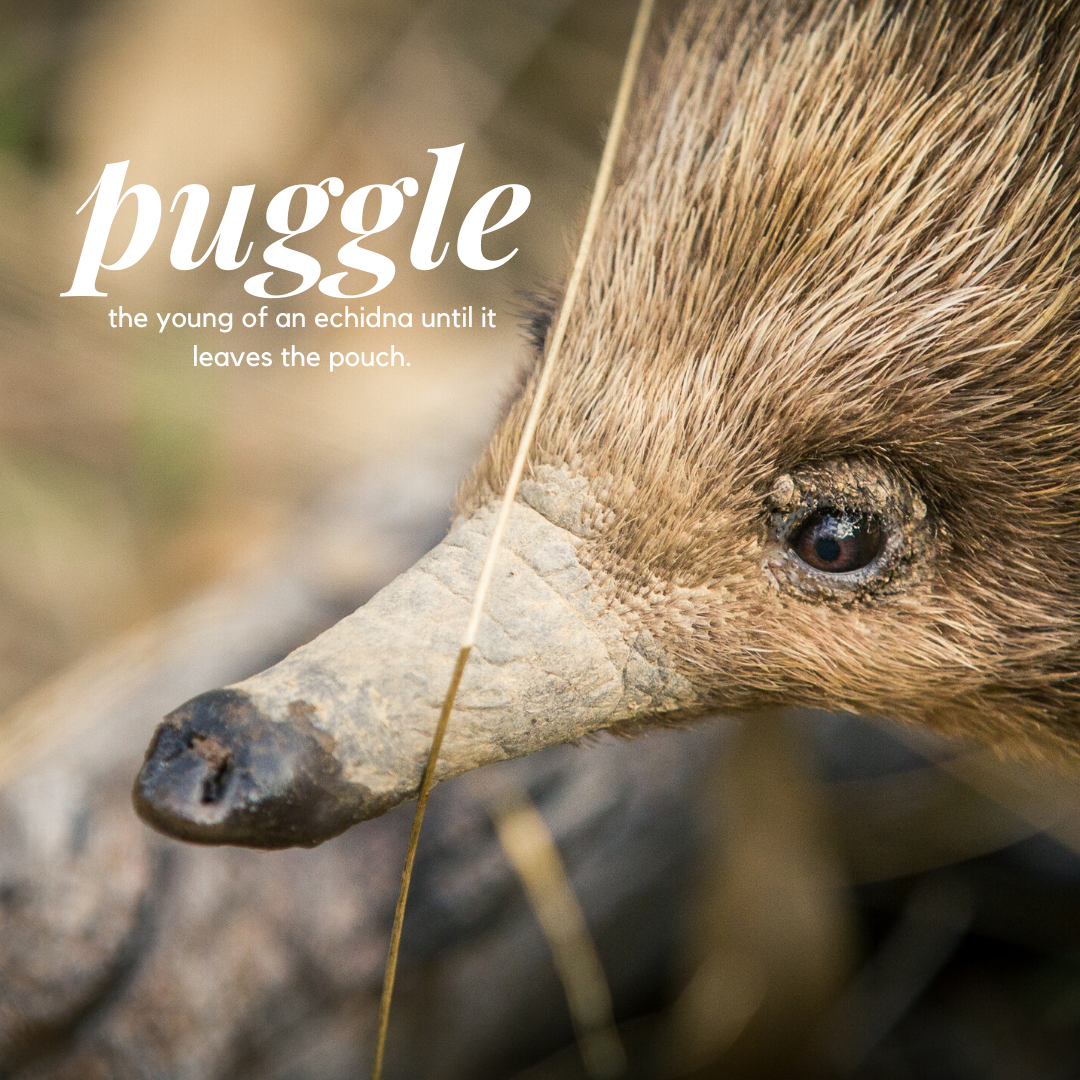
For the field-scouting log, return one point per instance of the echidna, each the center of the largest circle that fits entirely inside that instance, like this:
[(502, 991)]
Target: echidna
[(814, 438)]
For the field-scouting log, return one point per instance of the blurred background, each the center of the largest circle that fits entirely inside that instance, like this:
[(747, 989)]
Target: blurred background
[(129, 477), (807, 895)]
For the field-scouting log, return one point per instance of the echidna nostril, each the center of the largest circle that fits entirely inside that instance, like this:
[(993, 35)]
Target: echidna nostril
[(213, 787), (219, 766)]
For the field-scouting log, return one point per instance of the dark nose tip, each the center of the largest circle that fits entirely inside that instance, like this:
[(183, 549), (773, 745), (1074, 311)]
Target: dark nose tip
[(219, 772)]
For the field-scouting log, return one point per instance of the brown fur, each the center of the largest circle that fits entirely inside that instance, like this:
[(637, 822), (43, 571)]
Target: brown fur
[(845, 247)]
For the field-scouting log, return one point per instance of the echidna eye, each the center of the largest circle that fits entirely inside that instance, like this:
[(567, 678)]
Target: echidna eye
[(837, 542)]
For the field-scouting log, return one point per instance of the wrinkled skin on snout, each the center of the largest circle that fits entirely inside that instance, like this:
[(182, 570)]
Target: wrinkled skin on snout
[(339, 730), (813, 438)]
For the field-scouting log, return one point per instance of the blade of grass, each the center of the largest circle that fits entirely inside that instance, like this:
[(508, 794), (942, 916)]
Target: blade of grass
[(531, 849), (603, 182)]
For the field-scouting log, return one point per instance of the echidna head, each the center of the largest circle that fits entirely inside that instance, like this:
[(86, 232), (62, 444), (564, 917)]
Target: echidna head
[(813, 438)]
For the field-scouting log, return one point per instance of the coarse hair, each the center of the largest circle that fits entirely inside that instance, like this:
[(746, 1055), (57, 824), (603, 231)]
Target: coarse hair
[(844, 241)]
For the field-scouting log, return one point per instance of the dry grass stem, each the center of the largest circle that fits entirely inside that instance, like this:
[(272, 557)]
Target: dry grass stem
[(531, 849), (603, 180)]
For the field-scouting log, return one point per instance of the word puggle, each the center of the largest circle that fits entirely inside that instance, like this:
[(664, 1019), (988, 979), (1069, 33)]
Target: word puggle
[(109, 194)]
